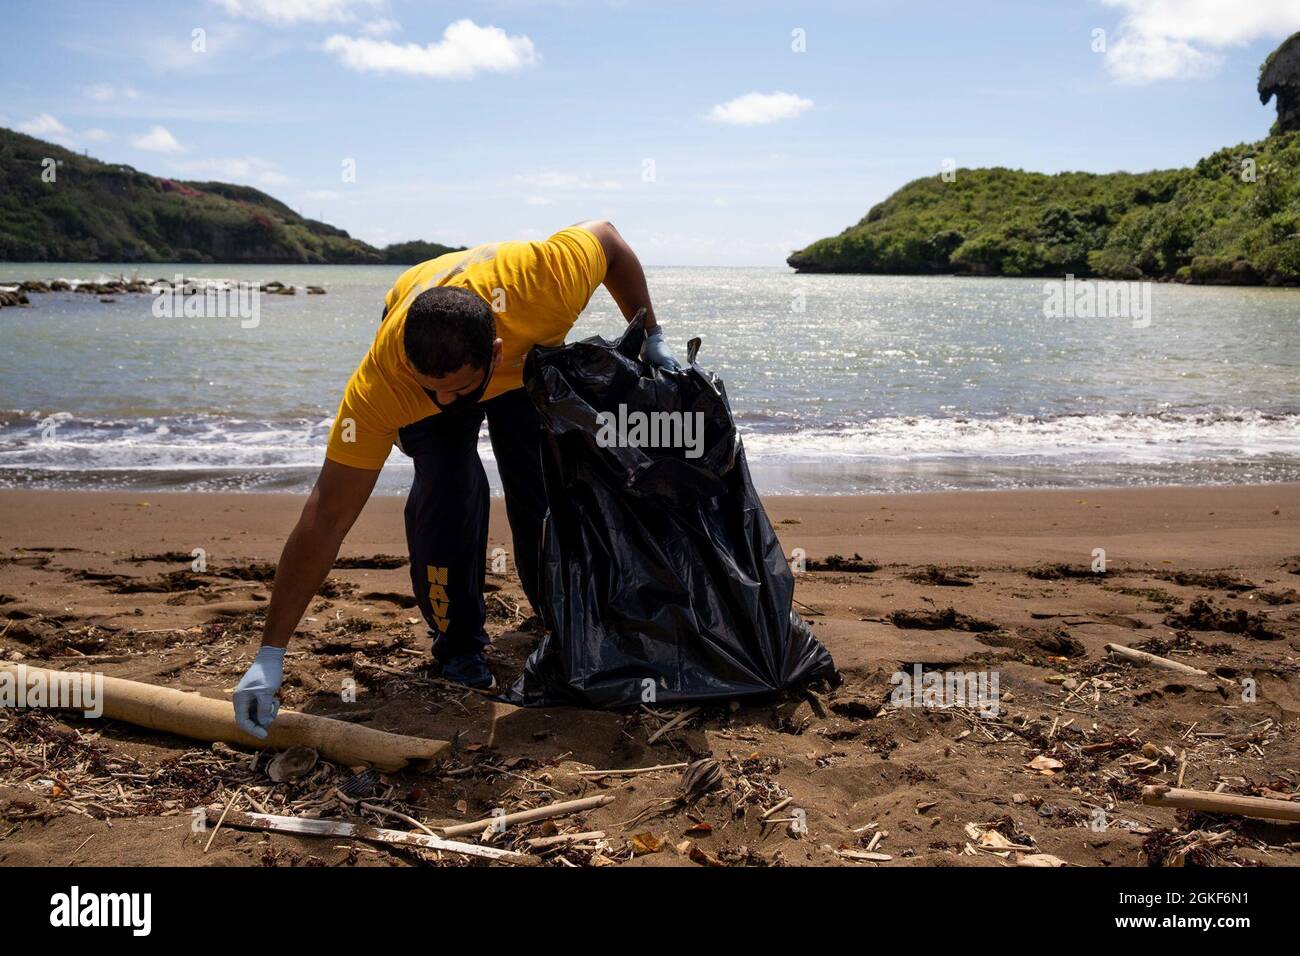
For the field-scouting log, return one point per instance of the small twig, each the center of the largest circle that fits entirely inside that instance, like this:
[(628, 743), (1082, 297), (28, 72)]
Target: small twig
[(631, 771), (230, 803), (396, 815), (528, 816), (679, 719), (520, 776), (812, 611), (776, 808), (539, 843)]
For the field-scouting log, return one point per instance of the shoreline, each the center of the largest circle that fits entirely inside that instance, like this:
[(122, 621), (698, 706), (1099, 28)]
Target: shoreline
[(386, 490), (1252, 521), (1056, 277)]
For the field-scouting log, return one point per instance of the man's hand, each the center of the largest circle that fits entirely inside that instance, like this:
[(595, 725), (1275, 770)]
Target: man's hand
[(255, 701), (657, 352), (625, 280), (340, 494)]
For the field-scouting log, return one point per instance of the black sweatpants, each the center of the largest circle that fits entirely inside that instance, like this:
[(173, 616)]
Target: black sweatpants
[(447, 512)]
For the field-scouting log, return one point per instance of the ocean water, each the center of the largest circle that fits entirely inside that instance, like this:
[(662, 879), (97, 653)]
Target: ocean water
[(841, 384)]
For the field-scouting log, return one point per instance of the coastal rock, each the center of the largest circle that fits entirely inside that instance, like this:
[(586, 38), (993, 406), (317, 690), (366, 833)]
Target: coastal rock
[(107, 290), (1280, 77), (315, 290), (1209, 270), (13, 299)]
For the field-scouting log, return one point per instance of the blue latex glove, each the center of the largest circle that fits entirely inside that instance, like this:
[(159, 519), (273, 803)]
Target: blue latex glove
[(255, 701), (658, 353)]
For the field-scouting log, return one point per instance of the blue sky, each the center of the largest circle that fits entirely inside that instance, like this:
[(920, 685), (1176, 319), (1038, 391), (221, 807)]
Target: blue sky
[(696, 127)]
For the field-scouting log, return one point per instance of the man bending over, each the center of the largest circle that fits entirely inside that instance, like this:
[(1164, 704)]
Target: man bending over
[(449, 352)]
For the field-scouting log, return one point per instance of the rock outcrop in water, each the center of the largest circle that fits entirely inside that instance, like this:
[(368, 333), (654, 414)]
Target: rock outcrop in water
[(16, 294), (1280, 77)]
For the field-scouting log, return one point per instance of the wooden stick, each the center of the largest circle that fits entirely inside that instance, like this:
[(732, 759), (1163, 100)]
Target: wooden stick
[(540, 843), (337, 828), (632, 771), (777, 807), (1133, 655), (397, 815), (1264, 808), (679, 719), (528, 816), (206, 718), (222, 819)]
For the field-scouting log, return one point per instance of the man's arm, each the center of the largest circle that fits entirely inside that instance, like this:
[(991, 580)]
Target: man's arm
[(625, 280), (338, 497), (624, 277), (340, 493)]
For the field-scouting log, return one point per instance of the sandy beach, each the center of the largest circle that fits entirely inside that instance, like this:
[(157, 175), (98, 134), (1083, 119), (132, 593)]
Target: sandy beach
[(1206, 576)]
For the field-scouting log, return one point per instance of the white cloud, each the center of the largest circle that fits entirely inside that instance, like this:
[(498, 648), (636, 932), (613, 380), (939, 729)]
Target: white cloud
[(97, 135), (1178, 39), (539, 201), (1139, 58), (568, 182), (381, 27), (158, 140), (45, 126), (227, 48), (465, 49), (323, 194), (755, 109), (247, 169), (106, 92), (295, 11)]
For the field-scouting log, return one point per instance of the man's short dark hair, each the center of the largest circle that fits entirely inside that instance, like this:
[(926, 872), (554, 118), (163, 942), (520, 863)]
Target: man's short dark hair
[(448, 328)]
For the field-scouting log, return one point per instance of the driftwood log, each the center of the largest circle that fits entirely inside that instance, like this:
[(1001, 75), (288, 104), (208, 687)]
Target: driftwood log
[(1133, 655), (1263, 808), (206, 718)]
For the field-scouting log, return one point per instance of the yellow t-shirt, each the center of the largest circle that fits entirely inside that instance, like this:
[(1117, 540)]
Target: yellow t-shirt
[(536, 290)]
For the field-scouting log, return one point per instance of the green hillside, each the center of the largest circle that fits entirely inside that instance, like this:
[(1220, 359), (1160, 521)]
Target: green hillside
[(1205, 224), (100, 212)]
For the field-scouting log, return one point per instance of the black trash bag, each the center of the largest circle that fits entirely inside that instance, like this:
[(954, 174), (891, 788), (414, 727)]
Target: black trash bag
[(659, 566)]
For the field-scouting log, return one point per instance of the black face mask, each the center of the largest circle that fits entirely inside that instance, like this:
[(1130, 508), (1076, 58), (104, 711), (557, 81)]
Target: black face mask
[(462, 402)]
